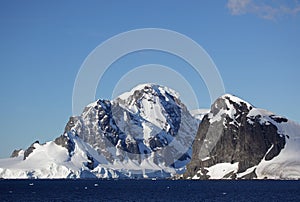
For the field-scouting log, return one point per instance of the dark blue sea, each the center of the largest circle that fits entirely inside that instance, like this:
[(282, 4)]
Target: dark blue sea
[(148, 190)]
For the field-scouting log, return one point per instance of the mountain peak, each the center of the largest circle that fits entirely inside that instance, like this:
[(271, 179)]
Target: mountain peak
[(234, 99), (228, 106), (235, 140), (148, 132), (149, 88)]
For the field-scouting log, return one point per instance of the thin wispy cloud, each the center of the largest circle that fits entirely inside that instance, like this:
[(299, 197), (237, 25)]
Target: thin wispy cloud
[(268, 9)]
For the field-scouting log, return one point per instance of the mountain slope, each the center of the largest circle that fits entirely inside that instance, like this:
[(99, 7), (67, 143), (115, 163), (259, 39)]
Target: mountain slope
[(50, 160), (147, 132), (237, 140)]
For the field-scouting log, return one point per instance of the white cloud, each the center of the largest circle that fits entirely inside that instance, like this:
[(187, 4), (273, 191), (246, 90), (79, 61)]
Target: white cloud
[(238, 7), (267, 9)]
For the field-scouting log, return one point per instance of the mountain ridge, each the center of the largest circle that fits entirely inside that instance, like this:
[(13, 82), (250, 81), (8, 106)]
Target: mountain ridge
[(149, 133), (146, 133), (235, 140)]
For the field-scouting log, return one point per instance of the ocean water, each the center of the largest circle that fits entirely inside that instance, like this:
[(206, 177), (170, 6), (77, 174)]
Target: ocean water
[(148, 190)]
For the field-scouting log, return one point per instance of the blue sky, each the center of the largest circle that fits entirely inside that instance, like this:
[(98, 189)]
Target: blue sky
[(254, 44)]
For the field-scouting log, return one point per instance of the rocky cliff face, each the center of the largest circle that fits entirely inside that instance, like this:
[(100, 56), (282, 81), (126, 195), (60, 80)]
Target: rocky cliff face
[(237, 134), (149, 123), (147, 132)]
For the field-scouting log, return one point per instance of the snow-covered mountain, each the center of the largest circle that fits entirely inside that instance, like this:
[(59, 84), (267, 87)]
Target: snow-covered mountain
[(149, 133), (235, 140), (146, 132)]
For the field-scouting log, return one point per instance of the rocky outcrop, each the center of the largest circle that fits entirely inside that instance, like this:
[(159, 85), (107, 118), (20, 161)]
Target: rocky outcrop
[(148, 133), (233, 132), (15, 153), (30, 149), (137, 126), (66, 142)]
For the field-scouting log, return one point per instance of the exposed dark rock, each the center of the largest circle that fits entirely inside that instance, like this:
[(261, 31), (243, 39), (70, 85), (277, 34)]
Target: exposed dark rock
[(278, 119), (103, 126), (91, 163), (234, 139), (66, 142), (155, 143), (15, 153), (70, 124), (184, 157), (30, 149)]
